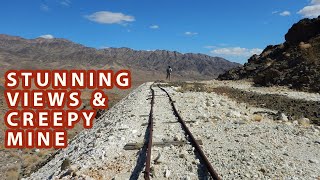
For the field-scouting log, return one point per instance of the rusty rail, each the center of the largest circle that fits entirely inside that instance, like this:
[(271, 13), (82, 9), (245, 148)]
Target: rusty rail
[(148, 160), (195, 144)]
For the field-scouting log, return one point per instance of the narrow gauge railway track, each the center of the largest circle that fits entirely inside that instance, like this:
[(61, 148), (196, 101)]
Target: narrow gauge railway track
[(197, 149)]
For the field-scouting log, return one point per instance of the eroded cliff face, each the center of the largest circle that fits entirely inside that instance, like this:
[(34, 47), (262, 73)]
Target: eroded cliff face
[(295, 63)]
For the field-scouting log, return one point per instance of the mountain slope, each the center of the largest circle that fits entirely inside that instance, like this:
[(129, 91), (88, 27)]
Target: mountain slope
[(16, 52), (295, 63)]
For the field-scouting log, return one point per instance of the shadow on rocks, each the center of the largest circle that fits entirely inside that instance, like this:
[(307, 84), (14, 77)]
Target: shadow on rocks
[(142, 157)]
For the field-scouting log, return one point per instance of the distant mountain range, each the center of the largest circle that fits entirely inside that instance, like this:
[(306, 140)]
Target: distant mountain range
[(40, 53)]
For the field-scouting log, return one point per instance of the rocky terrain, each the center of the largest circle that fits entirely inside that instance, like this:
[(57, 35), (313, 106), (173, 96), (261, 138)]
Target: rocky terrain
[(15, 163), (241, 140), (40, 53), (294, 63)]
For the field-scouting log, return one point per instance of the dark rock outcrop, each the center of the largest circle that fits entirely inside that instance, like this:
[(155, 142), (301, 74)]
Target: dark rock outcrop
[(295, 63), (303, 31)]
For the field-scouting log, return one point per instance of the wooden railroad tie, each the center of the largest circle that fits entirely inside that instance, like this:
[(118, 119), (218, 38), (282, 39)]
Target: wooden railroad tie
[(169, 122), (137, 146)]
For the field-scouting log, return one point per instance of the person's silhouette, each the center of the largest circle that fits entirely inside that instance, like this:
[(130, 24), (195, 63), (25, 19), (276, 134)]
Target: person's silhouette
[(169, 70)]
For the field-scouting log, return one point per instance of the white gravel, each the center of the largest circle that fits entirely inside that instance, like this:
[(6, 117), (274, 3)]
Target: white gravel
[(175, 162), (279, 90), (237, 146), (98, 153), (240, 148)]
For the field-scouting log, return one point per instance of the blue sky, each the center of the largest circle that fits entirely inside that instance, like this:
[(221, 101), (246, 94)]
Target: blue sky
[(233, 29)]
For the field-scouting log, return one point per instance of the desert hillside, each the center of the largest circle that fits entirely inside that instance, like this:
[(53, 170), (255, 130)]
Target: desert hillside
[(41, 53), (294, 63)]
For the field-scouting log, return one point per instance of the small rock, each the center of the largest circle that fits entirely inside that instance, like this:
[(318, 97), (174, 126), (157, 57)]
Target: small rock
[(245, 135), (190, 168), (187, 178), (257, 117), (182, 155), (167, 173), (65, 164), (110, 138), (158, 159), (233, 114), (282, 117), (304, 121), (74, 168), (197, 161), (216, 105), (313, 161), (288, 123), (176, 138), (262, 170)]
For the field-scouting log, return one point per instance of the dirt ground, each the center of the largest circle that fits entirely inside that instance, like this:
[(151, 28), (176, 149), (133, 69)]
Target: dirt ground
[(293, 108)]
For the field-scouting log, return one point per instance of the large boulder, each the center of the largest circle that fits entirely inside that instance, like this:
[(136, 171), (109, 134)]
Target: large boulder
[(303, 31)]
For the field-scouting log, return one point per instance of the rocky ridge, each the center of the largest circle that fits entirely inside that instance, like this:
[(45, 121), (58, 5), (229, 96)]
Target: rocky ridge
[(17, 53), (294, 63)]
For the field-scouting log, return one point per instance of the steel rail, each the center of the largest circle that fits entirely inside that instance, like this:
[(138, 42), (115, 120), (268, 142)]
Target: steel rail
[(195, 144), (148, 160)]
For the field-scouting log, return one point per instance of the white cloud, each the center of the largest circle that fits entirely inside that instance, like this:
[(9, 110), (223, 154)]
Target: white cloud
[(44, 7), (65, 2), (154, 27), (107, 17), (311, 11), (46, 36), (188, 33), (210, 47), (236, 51), (104, 47), (315, 2), (256, 51), (285, 13), (275, 12)]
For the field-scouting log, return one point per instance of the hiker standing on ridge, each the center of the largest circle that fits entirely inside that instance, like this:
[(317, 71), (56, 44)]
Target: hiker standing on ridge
[(169, 70)]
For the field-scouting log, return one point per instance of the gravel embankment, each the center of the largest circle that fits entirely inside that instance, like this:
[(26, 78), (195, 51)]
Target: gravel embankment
[(244, 145), (98, 153), (174, 162), (239, 142)]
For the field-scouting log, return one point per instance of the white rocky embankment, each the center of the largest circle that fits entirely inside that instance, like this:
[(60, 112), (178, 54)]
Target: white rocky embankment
[(238, 143), (173, 162), (98, 153), (243, 145)]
